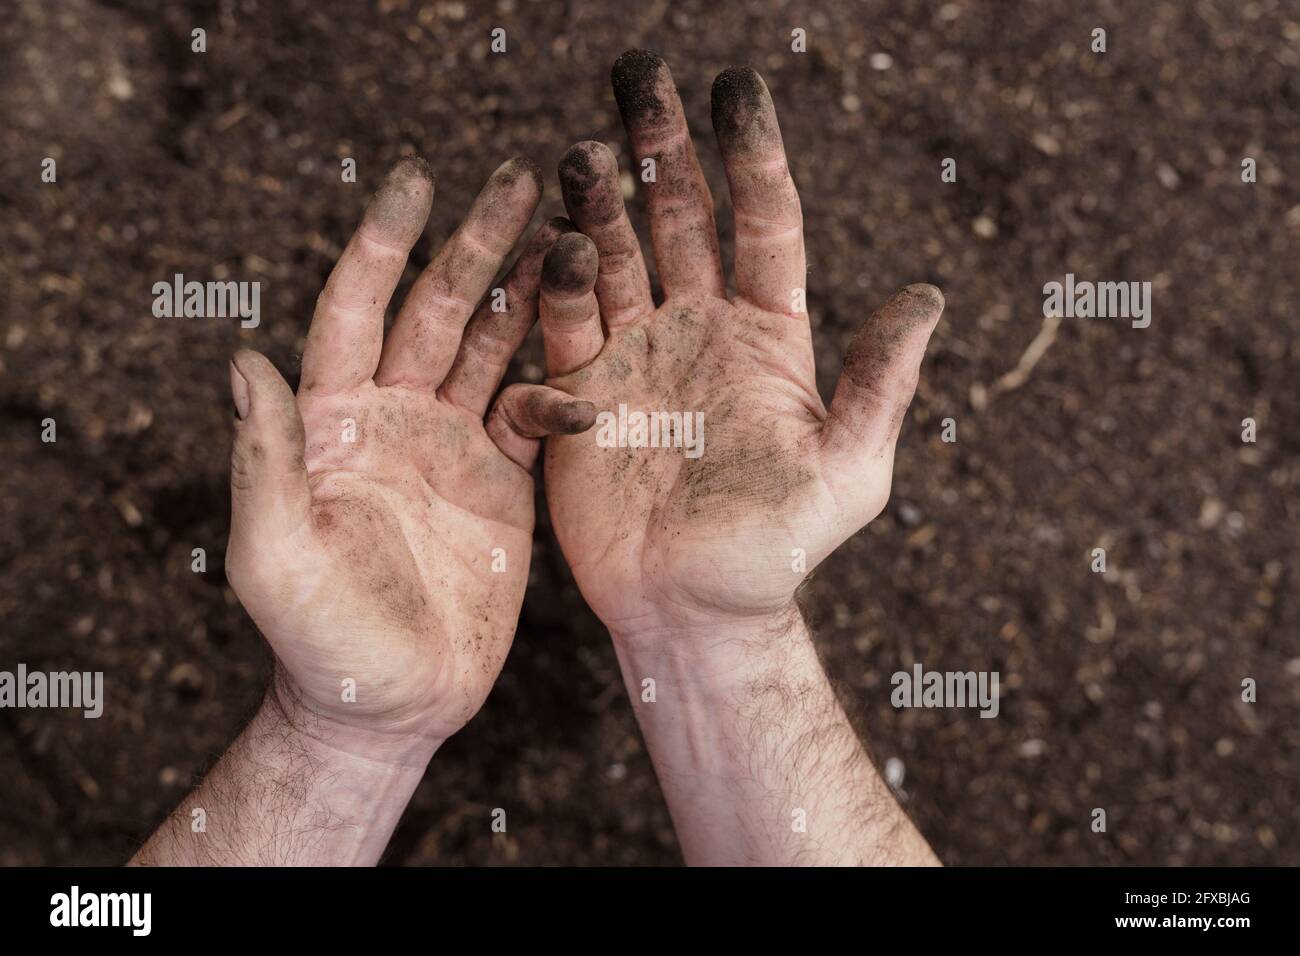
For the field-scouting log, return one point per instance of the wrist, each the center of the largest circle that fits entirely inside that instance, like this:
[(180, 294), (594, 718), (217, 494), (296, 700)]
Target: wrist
[(710, 642), (286, 795), (717, 661), (397, 748)]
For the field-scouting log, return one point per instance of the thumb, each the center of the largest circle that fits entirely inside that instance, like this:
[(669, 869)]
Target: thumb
[(270, 498), (524, 414), (879, 377)]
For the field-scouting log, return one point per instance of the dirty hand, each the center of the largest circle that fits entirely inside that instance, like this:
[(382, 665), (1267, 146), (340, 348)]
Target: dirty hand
[(666, 540), (381, 528)]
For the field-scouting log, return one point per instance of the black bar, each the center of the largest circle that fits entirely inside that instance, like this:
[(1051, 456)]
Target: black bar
[(984, 906)]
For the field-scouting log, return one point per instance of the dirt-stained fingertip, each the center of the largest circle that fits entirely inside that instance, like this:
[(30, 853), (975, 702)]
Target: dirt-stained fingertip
[(923, 298), (571, 265), (742, 109), (535, 411), (637, 77), (584, 164), (899, 329), (400, 207), (572, 418), (589, 181), (412, 167), (517, 168), (506, 203)]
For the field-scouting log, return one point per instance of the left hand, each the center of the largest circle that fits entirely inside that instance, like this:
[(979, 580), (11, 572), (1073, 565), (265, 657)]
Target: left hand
[(382, 528)]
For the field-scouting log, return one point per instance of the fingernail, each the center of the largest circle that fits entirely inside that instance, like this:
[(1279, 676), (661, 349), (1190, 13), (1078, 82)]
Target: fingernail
[(239, 389)]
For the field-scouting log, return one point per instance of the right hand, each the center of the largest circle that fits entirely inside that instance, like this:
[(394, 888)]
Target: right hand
[(657, 541)]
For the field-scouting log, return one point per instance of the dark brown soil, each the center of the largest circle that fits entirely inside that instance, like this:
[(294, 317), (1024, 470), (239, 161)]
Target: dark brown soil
[(1122, 690)]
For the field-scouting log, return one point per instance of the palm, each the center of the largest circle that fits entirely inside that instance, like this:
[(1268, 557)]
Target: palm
[(713, 533), (406, 521)]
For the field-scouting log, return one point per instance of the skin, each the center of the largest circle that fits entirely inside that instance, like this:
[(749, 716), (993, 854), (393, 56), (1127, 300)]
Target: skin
[(689, 561), (368, 512)]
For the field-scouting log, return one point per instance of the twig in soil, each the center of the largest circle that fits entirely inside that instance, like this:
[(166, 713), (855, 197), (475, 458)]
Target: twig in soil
[(981, 394)]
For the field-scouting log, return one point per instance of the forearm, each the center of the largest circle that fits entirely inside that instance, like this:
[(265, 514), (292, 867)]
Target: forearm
[(287, 793), (757, 760)]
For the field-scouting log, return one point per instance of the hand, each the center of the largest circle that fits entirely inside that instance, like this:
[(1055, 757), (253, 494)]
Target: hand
[(660, 540), (381, 530)]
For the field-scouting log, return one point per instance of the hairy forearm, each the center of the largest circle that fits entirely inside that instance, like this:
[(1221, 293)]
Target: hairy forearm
[(287, 793), (757, 759)]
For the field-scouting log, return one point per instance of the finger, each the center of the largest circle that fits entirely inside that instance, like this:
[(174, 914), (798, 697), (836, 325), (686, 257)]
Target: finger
[(770, 267), (492, 338), (570, 316), (423, 342), (677, 198), (880, 375), (347, 329), (593, 198), (270, 498), (524, 414)]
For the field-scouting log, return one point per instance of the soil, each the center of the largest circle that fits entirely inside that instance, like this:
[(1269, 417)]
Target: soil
[(1122, 690)]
